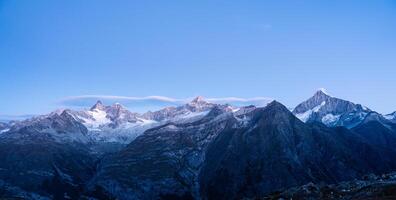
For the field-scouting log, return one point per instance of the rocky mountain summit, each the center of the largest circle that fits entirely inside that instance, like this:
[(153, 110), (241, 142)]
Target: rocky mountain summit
[(331, 111), (391, 117), (197, 106)]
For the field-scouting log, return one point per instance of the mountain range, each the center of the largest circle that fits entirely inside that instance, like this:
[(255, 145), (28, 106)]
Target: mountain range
[(200, 150)]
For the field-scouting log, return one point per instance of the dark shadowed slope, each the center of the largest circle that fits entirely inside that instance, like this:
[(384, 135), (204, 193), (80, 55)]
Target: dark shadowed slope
[(46, 157), (226, 156), (276, 151), (164, 161)]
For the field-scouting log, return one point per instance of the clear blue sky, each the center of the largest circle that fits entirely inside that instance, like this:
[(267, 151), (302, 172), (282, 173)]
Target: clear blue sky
[(50, 50)]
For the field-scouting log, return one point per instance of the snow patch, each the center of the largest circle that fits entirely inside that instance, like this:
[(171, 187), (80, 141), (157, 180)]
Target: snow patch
[(193, 114), (304, 116), (188, 117), (99, 118), (317, 108), (307, 114), (236, 110), (323, 90), (123, 134), (330, 119), (5, 130)]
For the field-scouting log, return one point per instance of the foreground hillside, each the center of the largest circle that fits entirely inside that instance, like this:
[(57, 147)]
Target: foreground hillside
[(368, 187)]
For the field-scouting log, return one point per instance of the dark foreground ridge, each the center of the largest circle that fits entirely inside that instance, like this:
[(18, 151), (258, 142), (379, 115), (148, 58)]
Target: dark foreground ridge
[(368, 187)]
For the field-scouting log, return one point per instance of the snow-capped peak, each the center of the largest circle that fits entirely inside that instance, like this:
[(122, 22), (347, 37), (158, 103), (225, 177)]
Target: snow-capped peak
[(98, 105), (57, 112), (330, 110), (391, 116), (322, 92), (198, 99), (198, 104)]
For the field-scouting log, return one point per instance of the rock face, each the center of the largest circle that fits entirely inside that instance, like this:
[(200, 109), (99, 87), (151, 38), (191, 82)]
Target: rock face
[(330, 111), (197, 105), (277, 151), (233, 157), (45, 158), (44, 167), (59, 126), (165, 161), (54, 155), (378, 131)]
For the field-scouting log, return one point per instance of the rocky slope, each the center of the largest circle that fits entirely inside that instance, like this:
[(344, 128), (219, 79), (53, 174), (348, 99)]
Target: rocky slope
[(379, 131), (277, 151), (224, 156), (46, 158), (164, 161), (54, 155)]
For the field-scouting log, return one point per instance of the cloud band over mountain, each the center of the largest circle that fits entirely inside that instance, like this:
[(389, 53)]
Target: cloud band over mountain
[(152, 102)]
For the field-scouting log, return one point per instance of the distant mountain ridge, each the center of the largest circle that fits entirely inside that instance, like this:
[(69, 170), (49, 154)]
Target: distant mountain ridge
[(321, 107), (115, 123), (199, 150)]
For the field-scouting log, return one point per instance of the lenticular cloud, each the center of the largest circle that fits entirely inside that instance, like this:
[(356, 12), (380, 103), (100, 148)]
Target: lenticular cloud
[(86, 100)]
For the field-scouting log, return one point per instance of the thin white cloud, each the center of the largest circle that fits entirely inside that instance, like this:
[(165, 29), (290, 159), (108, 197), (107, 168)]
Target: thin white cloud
[(257, 101), (122, 98), (157, 101), (237, 99), (7, 118)]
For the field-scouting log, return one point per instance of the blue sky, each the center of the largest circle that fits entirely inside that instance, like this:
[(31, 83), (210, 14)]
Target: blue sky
[(54, 50)]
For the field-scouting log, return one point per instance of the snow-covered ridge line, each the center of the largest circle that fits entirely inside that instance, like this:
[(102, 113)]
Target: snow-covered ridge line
[(115, 123), (112, 123)]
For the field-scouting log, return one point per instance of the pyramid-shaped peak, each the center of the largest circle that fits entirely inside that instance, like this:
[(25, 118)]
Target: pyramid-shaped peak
[(276, 105), (320, 97), (198, 99), (274, 113), (98, 105), (99, 102), (321, 92)]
